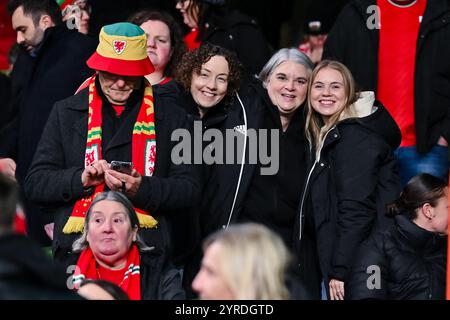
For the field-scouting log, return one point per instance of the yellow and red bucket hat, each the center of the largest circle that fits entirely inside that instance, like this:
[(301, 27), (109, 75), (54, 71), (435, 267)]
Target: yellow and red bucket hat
[(122, 50)]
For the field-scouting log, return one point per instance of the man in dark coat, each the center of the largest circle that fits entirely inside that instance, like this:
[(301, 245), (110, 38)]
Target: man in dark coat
[(50, 67), (116, 117), (25, 271), (398, 49)]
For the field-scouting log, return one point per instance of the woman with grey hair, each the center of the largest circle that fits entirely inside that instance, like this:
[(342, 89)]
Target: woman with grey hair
[(111, 249), (264, 181)]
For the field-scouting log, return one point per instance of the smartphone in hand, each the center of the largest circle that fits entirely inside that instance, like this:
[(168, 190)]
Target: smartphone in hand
[(122, 166)]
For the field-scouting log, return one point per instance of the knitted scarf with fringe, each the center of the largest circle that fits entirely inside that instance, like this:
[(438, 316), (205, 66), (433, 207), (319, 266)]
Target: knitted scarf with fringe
[(131, 283), (143, 146)]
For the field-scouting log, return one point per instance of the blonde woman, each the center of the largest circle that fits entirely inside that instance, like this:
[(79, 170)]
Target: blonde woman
[(352, 175), (244, 262)]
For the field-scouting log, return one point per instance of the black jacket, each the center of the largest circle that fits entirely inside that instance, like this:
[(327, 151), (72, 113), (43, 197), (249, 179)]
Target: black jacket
[(227, 184), (187, 227), (187, 248), (54, 179), (239, 33), (347, 189), (404, 262), (37, 83), (159, 279), (354, 44), (26, 273), (5, 98)]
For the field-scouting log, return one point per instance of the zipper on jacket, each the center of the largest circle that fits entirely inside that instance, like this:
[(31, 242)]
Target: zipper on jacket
[(303, 199), (242, 164), (307, 181)]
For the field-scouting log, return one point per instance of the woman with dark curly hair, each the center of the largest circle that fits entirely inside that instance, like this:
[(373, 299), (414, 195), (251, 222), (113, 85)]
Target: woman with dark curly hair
[(206, 81), (165, 45)]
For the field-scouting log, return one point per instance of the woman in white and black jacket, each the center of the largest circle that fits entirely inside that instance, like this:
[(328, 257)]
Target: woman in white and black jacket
[(266, 192), (352, 176)]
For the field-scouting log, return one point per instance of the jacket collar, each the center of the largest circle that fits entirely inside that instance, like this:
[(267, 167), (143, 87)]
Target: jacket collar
[(51, 35), (434, 10), (419, 238)]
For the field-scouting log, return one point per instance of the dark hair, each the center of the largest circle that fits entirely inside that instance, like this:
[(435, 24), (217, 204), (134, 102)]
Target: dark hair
[(8, 200), (176, 35), (421, 189), (114, 290), (37, 8), (192, 62)]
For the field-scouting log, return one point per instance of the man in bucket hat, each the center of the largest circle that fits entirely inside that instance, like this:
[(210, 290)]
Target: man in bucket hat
[(115, 116)]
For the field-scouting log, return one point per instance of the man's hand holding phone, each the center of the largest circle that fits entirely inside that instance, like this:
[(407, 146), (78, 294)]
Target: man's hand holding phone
[(122, 177)]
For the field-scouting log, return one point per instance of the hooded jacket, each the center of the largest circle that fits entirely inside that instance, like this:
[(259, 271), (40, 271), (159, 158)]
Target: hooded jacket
[(353, 43), (404, 262), (349, 182)]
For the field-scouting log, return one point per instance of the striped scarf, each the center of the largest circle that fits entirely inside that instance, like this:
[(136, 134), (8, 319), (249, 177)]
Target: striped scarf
[(131, 283), (143, 146)]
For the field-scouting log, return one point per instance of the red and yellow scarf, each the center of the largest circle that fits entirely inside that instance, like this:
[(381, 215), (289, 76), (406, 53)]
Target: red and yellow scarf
[(143, 145), (131, 282)]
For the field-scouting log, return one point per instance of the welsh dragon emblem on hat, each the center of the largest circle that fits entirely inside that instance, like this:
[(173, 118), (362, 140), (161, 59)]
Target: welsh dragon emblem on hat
[(119, 46)]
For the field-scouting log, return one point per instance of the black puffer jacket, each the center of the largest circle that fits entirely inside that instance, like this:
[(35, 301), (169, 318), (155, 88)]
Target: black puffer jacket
[(403, 262), (347, 188)]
